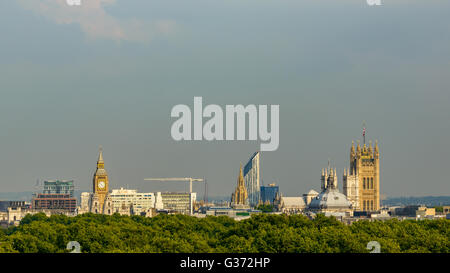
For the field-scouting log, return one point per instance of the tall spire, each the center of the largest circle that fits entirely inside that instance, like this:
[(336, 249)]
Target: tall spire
[(100, 154), (100, 162), (240, 194), (241, 177)]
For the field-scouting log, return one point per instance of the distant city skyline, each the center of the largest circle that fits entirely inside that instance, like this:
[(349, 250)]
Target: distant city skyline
[(68, 87)]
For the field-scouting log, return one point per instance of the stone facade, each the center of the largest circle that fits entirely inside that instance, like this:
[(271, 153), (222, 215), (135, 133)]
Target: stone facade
[(362, 180), (99, 201), (351, 188), (240, 197)]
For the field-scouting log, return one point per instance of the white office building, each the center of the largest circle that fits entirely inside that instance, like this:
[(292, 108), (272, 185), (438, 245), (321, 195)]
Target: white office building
[(140, 201)]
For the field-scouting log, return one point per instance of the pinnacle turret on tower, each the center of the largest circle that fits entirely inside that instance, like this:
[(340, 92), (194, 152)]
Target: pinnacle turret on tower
[(329, 178), (376, 153), (240, 196)]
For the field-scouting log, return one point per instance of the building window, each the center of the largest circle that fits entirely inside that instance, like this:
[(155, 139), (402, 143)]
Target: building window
[(364, 183)]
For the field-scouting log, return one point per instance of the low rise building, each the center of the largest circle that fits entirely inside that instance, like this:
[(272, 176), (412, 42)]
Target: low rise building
[(414, 211), (290, 205), (139, 201), (178, 202), (235, 213), (49, 201), (4, 205), (13, 216)]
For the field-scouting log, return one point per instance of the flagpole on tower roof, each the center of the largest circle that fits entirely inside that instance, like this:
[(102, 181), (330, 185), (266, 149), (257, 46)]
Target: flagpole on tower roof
[(364, 132)]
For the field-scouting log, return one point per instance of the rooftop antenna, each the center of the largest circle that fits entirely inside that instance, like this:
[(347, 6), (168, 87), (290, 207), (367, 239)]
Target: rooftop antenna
[(205, 198)]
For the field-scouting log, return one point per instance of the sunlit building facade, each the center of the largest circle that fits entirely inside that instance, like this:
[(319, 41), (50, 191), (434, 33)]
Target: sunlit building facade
[(178, 202), (139, 201)]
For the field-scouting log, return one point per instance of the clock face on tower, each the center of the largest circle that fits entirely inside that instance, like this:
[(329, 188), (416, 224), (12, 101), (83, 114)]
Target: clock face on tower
[(101, 185)]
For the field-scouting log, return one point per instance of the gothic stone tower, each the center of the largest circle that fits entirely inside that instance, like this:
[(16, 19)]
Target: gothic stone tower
[(100, 182), (362, 180), (329, 179), (240, 196), (351, 184)]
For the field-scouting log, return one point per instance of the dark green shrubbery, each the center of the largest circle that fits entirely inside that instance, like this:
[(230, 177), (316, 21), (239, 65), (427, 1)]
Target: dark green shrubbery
[(260, 233)]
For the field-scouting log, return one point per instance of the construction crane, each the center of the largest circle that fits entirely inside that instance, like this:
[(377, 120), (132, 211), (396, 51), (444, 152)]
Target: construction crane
[(190, 179)]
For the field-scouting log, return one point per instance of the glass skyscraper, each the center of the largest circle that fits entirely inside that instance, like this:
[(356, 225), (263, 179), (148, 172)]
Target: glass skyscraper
[(269, 193), (252, 179)]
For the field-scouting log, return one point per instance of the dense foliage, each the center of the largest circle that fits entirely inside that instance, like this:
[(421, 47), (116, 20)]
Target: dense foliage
[(260, 233), (265, 208)]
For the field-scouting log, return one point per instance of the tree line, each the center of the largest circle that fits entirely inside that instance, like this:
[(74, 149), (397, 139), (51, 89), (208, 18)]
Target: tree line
[(262, 233)]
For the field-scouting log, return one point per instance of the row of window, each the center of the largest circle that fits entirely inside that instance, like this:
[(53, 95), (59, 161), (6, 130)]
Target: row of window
[(368, 205), (368, 183)]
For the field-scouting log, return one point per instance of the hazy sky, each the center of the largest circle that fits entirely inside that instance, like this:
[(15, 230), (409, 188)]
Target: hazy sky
[(109, 72)]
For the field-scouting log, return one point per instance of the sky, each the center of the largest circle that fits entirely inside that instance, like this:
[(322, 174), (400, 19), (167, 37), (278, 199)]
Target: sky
[(108, 73)]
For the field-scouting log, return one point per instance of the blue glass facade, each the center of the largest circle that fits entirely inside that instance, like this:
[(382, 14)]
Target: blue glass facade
[(252, 179), (269, 193)]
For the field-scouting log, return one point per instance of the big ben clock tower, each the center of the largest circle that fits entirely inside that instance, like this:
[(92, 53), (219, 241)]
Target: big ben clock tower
[(100, 181)]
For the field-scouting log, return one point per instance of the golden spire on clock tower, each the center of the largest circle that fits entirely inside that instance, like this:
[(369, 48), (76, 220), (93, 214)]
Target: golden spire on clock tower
[(100, 162)]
